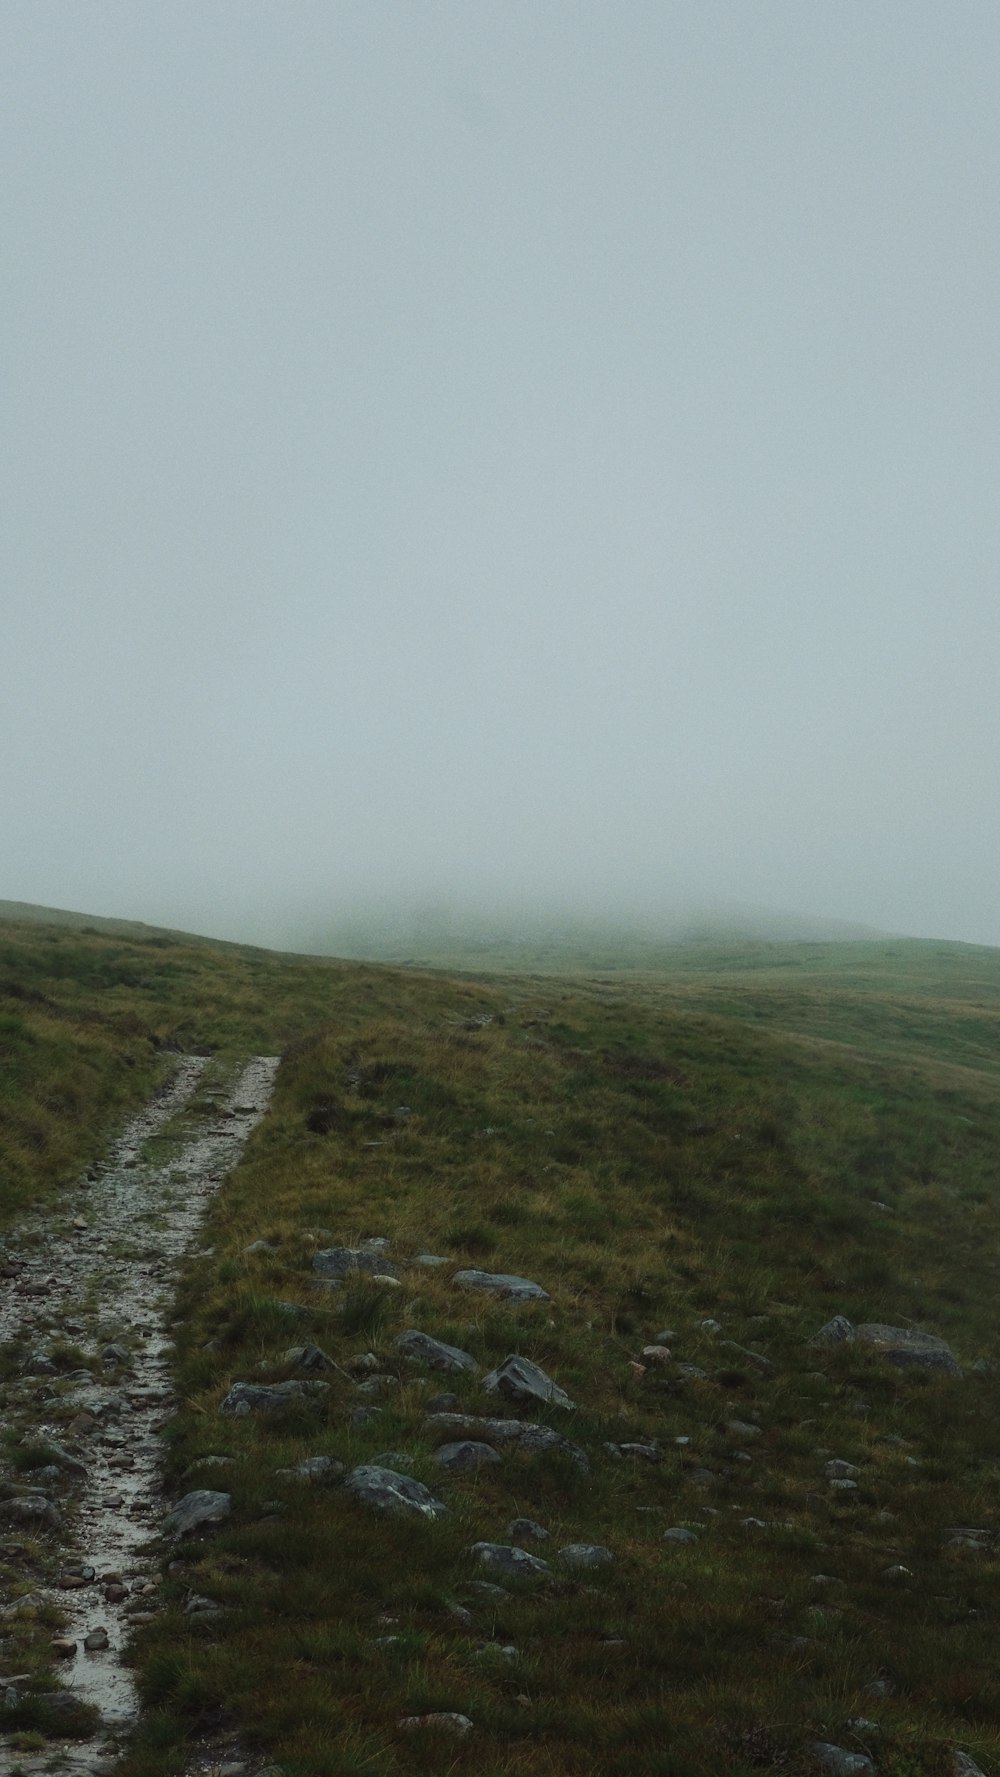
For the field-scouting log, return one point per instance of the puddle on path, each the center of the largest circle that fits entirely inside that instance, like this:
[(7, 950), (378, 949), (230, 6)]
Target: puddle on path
[(110, 1283)]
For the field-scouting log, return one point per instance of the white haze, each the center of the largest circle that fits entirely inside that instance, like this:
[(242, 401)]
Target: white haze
[(531, 453)]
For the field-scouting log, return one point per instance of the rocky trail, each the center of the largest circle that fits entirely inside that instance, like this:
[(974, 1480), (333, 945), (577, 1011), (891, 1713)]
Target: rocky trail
[(96, 1276)]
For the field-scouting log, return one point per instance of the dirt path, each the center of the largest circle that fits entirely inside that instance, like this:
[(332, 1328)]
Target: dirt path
[(104, 1283)]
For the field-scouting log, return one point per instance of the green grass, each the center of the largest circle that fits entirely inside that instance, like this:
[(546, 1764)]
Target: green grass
[(763, 1136)]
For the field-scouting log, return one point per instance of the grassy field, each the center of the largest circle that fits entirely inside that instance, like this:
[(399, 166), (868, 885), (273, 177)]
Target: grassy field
[(753, 1136)]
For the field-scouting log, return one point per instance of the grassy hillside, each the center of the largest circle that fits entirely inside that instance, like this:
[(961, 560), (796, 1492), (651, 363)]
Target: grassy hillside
[(760, 1138)]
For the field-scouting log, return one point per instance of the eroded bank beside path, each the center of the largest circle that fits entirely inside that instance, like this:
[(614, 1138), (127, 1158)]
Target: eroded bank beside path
[(85, 1295)]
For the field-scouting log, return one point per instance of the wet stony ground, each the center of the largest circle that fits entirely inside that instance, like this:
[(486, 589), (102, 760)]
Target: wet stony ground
[(98, 1274)]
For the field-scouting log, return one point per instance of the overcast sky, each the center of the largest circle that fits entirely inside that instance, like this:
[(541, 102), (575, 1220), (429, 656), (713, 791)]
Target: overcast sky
[(501, 448)]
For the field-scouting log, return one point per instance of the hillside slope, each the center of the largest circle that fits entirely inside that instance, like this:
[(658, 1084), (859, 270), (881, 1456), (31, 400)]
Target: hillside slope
[(715, 1165)]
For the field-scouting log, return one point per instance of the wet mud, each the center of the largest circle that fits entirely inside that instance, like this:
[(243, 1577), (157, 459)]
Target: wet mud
[(104, 1283)]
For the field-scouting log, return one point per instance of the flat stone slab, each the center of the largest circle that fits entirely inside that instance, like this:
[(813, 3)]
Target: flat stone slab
[(906, 1348), (422, 1349), (201, 1510), (505, 1558), (837, 1331), (271, 1397), (315, 1469), (500, 1432), (465, 1456), (586, 1555), (504, 1284), (387, 1491), (518, 1379), (446, 1721), (344, 1261)]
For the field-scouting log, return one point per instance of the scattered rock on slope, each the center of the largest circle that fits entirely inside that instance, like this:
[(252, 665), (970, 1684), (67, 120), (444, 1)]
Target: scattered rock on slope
[(339, 1262), (200, 1510), (253, 1397), (903, 1346), (503, 1284), (505, 1558), (906, 1347), (421, 1348), (387, 1491), (519, 1432), (517, 1379)]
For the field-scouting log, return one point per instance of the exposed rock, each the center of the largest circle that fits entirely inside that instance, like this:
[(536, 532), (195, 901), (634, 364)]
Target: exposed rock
[(503, 1284), (63, 1459), (465, 1456), (200, 1510), (522, 1432), (517, 1379), (96, 1640), (740, 1428), (761, 1364), (962, 1765), (906, 1348), (307, 1357), (837, 1331), (253, 1397), (430, 1260), (655, 1354), (422, 1349), (33, 1511), (315, 1468), (586, 1555), (443, 1403), (505, 1558), (101, 1402), (709, 1326), (839, 1762), (447, 1721), (339, 1262), (526, 1530), (387, 1491), (647, 1452), (678, 1534)]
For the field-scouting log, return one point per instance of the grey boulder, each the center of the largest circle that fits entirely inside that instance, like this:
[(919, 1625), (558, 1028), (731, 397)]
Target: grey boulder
[(386, 1491), (503, 1284), (518, 1379), (420, 1348), (837, 1331), (344, 1261), (907, 1348), (201, 1510), (271, 1397), (586, 1555), (465, 1456), (505, 1558), (839, 1762), (518, 1432)]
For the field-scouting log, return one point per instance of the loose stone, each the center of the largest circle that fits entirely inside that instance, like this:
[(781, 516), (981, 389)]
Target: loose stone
[(201, 1510), (448, 1721), (526, 1530), (421, 1348), (387, 1491), (517, 1379), (506, 1285), (338, 1262), (466, 1456), (505, 1558), (586, 1555)]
